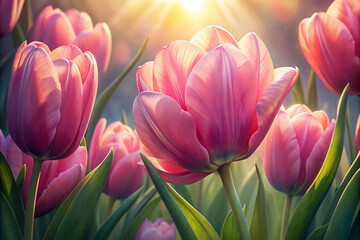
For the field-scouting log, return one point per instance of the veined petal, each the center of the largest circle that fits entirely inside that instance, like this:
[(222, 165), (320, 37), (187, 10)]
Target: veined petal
[(144, 77), (220, 96), (172, 67), (69, 52), (168, 131), (210, 37)]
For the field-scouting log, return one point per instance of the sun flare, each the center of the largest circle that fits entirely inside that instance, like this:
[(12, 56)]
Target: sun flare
[(194, 6)]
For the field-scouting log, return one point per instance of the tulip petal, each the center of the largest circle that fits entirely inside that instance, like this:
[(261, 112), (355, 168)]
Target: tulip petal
[(98, 42), (3, 147), (144, 77), (68, 52), (95, 144), (357, 136), (270, 103), (297, 109), (322, 117), (34, 100), (80, 21), (280, 154), (252, 46), (210, 37), (172, 67), (329, 48), (120, 187), (220, 96), (169, 131)]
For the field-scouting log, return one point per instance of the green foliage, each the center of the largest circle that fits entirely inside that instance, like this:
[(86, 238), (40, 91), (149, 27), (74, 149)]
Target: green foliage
[(229, 230)]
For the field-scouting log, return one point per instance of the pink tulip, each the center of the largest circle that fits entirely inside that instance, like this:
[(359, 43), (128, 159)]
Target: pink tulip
[(125, 175), (9, 14), (295, 148), (56, 28), (331, 44), (158, 230), (57, 178), (357, 136), (207, 102), (50, 99)]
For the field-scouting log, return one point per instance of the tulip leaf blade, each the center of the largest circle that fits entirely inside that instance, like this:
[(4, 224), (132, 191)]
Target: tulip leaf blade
[(355, 230), (345, 210), (68, 223), (10, 190), (199, 224), (318, 233), (106, 228), (297, 92), (229, 230), (301, 220), (311, 99), (9, 227), (20, 178), (218, 210), (184, 192), (259, 218), (175, 211)]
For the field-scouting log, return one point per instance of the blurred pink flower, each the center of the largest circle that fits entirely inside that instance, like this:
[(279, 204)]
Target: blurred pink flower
[(158, 230), (57, 178), (357, 136), (56, 28), (207, 102), (331, 44), (50, 99), (125, 175), (9, 14), (295, 148)]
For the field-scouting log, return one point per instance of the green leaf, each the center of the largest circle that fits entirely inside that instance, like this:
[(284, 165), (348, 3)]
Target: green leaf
[(354, 167), (9, 227), (297, 92), (318, 233), (229, 230), (201, 227), (83, 142), (345, 211), (311, 99), (355, 230), (301, 219), (130, 232), (218, 209), (9, 188), (74, 214), (20, 178), (105, 229), (184, 192), (105, 96), (259, 218), (176, 214)]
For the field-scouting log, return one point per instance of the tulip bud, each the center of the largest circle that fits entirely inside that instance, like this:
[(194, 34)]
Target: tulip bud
[(57, 178), (50, 99), (295, 148), (9, 14), (158, 230), (125, 175)]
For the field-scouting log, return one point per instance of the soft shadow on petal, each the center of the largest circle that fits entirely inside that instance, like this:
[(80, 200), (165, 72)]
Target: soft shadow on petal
[(68, 52), (144, 77), (80, 21)]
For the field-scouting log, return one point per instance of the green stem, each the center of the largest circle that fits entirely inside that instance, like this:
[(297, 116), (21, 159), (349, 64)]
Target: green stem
[(124, 118), (350, 138), (228, 183), (31, 200), (28, 15), (18, 35), (110, 207), (286, 215)]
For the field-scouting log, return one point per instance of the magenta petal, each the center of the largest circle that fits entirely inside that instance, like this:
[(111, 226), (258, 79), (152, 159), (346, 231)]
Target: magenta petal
[(144, 77), (172, 67), (280, 154), (211, 37), (220, 96), (169, 131), (357, 136), (96, 143), (270, 103), (3, 145)]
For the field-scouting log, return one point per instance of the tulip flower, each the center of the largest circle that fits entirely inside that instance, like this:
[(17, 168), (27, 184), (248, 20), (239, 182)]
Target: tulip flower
[(357, 136), (56, 28), (58, 178), (207, 102), (9, 14), (331, 44), (125, 175), (50, 99), (295, 148), (158, 230)]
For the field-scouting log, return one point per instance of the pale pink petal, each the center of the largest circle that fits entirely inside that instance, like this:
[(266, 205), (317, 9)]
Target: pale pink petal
[(38, 25), (95, 143), (126, 177), (172, 67), (297, 109), (280, 154), (68, 52), (80, 21), (357, 136), (329, 48), (210, 37), (252, 46), (98, 42), (322, 117), (220, 96), (144, 77), (168, 131), (270, 103), (34, 100)]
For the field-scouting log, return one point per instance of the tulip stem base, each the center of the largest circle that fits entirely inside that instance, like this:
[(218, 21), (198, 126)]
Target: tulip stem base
[(110, 207), (350, 138), (228, 183), (286, 215), (31, 200)]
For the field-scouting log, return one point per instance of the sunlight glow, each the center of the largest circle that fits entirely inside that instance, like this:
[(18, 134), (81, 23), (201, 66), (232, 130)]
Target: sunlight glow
[(194, 6)]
